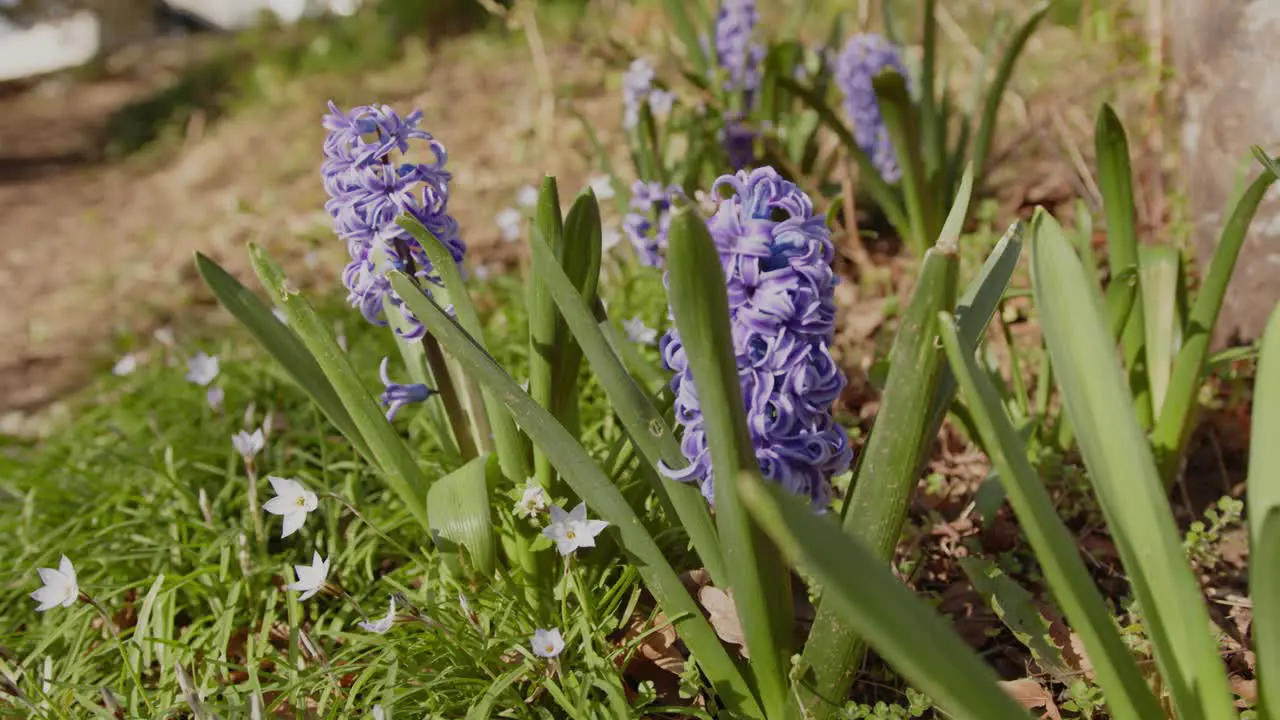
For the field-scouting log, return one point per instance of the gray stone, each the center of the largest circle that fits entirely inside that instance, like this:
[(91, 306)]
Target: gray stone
[(1227, 58)]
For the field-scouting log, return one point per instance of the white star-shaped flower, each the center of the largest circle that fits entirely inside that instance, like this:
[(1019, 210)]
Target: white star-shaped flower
[(547, 643), (532, 501), (59, 588), (378, 713), (248, 445), (125, 365), (202, 368), (214, 396), (293, 501), (527, 196), (572, 530), (602, 186), (382, 625), (311, 579), (638, 332), (508, 221)]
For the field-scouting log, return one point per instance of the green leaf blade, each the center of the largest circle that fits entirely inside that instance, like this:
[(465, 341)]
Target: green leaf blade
[(1123, 474)]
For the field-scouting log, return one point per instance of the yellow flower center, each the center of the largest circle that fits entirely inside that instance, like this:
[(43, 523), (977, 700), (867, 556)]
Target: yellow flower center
[(549, 648), (571, 534), (301, 502)]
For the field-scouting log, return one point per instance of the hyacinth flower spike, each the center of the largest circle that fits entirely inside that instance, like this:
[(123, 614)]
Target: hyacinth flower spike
[(862, 59), (780, 288)]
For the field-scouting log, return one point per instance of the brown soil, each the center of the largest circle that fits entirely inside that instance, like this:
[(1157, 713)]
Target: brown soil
[(90, 250)]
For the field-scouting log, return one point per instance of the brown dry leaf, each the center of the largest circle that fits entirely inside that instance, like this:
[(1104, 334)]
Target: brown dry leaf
[(659, 646), (1032, 695), (861, 320), (1246, 690), (723, 616)]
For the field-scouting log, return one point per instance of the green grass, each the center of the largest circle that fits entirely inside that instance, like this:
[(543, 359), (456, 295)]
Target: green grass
[(117, 489)]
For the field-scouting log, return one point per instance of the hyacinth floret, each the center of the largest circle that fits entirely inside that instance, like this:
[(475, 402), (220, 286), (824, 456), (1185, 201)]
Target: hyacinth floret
[(863, 58), (649, 218), (370, 183), (776, 256), (736, 52), (638, 90)]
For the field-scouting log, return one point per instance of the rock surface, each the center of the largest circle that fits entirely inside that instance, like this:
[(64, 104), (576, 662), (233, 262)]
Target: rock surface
[(1227, 59)]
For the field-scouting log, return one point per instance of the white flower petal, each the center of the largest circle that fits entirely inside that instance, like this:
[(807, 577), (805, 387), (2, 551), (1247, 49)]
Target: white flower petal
[(292, 522)]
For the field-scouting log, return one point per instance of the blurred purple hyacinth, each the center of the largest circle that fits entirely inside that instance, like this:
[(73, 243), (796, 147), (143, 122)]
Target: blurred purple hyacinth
[(864, 57), (780, 288), (368, 190), (649, 219), (638, 90), (735, 51)]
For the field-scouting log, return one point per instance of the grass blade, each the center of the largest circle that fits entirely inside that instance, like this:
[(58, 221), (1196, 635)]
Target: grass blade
[(650, 433), (1128, 697), (687, 31), (513, 450), (1177, 418), (461, 526), (887, 473), (866, 594), (282, 344), (1264, 517), (760, 582), (1115, 180), (389, 452), (1123, 474), (991, 108), (586, 479)]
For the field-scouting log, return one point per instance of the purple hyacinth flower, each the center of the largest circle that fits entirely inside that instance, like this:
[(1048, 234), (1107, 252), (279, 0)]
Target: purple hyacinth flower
[(369, 185), (780, 287), (397, 395), (648, 220), (862, 59), (735, 51)]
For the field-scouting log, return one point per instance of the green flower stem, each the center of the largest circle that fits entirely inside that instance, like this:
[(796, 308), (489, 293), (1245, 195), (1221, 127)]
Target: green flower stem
[(124, 654), (449, 397)]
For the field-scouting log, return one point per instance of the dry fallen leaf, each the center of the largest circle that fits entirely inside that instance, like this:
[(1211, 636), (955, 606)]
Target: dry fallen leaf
[(723, 616), (1032, 695)]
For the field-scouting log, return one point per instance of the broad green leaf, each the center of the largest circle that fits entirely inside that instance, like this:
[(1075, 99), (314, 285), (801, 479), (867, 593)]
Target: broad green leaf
[(903, 126), (1128, 697), (884, 195), (904, 630), (587, 480), (1115, 181), (650, 433), (761, 583), (887, 473), (1177, 417), (1264, 516), (513, 450), (1159, 269), (995, 95), (461, 526), (387, 449), (544, 353), (581, 262), (1123, 474), (283, 345)]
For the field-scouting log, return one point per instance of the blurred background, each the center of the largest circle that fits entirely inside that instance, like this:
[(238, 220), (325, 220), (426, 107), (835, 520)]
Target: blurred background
[(133, 132)]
